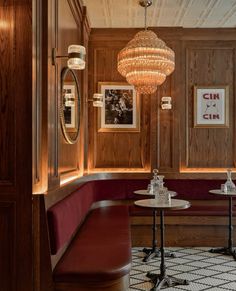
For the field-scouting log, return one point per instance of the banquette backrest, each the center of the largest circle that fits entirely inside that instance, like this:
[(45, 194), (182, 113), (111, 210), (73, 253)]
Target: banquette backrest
[(65, 216)]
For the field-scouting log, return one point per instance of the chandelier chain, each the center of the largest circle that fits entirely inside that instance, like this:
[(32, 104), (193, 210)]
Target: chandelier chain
[(145, 18)]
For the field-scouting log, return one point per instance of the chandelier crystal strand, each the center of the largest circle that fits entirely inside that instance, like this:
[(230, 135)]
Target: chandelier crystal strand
[(146, 61)]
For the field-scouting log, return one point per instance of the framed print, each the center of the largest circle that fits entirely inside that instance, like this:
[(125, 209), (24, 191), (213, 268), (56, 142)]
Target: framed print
[(211, 106), (121, 108)]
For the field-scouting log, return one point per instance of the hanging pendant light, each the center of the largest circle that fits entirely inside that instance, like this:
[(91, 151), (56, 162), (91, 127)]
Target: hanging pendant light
[(146, 60)]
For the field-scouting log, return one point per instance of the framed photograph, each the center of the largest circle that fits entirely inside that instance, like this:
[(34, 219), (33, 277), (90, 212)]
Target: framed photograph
[(69, 106), (211, 106), (121, 108)]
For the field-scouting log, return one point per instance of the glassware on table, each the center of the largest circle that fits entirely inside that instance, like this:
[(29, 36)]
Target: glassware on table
[(164, 196), (229, 185), (157, 188), (150, 188), (153, 186), (160, 181)]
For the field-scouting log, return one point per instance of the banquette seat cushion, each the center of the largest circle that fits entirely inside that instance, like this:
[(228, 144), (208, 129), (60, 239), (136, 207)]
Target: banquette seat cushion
[(98, 241), (101, 250)]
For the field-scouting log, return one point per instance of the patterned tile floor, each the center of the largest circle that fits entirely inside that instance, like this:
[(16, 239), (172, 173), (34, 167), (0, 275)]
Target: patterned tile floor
[(204, 270)]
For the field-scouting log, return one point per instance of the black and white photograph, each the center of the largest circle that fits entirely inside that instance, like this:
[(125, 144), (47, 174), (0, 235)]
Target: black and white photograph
[(120, 111)]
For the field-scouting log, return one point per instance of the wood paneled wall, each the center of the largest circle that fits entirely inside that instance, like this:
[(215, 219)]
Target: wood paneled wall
[(67, 24), (16, 145), (167, 139), (57, 24), (210, 63)]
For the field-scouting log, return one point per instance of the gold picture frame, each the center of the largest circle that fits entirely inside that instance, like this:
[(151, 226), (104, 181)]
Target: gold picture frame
[(121, 108), (211, 106)]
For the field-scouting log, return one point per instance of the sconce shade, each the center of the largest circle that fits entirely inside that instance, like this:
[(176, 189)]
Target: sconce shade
[(166, 102), (146, 61), (97, 100), (76, 57)]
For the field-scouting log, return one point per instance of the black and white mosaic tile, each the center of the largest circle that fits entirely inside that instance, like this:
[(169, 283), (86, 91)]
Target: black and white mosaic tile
[(204, 270)]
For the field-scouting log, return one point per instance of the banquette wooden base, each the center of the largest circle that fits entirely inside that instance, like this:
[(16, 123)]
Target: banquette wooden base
[(183, 231)]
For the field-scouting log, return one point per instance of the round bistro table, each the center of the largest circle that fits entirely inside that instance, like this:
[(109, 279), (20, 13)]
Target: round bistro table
[(154, 251), (229, 250), (162, 280)]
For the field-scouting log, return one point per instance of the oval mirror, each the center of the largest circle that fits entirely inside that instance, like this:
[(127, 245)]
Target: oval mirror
[(70, 105)]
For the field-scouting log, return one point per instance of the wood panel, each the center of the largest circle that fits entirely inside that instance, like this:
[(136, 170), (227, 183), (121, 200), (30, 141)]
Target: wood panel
[(168, 120), (115, 150), (155, 145), (40, 101), (67, 25), (184, 231), (85, 32), (41, 248), (210, 64), (68, 33), (16, 145), (7, 257), (53, 91), (7, 126), (22, 67)]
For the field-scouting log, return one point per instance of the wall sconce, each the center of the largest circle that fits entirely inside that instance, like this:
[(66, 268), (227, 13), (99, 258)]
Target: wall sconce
[(97, 100), (76, 57), (166, 103)]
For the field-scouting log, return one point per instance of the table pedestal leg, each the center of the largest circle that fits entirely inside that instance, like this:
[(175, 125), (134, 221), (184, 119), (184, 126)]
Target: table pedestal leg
[(162, 280), (229, 250), (154, 252)]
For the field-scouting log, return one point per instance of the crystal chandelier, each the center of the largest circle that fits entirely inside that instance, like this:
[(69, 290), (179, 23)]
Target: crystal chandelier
[(146, 60)]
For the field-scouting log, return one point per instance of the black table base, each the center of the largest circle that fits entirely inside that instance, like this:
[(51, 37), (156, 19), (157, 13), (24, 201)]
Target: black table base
[(162, 280), (224, 251), (229, 250), (155, 252), (166, 281)]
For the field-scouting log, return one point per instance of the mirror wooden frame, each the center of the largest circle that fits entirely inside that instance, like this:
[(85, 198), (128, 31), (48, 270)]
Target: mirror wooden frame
[(70, 132)]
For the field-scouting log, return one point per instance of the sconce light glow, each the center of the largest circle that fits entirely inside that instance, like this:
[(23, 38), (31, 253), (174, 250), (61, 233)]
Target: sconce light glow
[(76, 57), (97, 100), (166, 102), (4, 24)]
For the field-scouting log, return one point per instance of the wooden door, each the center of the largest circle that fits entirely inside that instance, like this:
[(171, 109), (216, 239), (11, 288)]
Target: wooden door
[(15, 145)]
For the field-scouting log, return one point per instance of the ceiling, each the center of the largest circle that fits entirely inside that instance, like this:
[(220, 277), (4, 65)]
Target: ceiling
[(183, 13)]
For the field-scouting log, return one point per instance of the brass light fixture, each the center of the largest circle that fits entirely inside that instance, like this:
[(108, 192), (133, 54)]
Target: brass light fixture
[(146, 60), (75, 57), (166, 103), (97, 100)]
